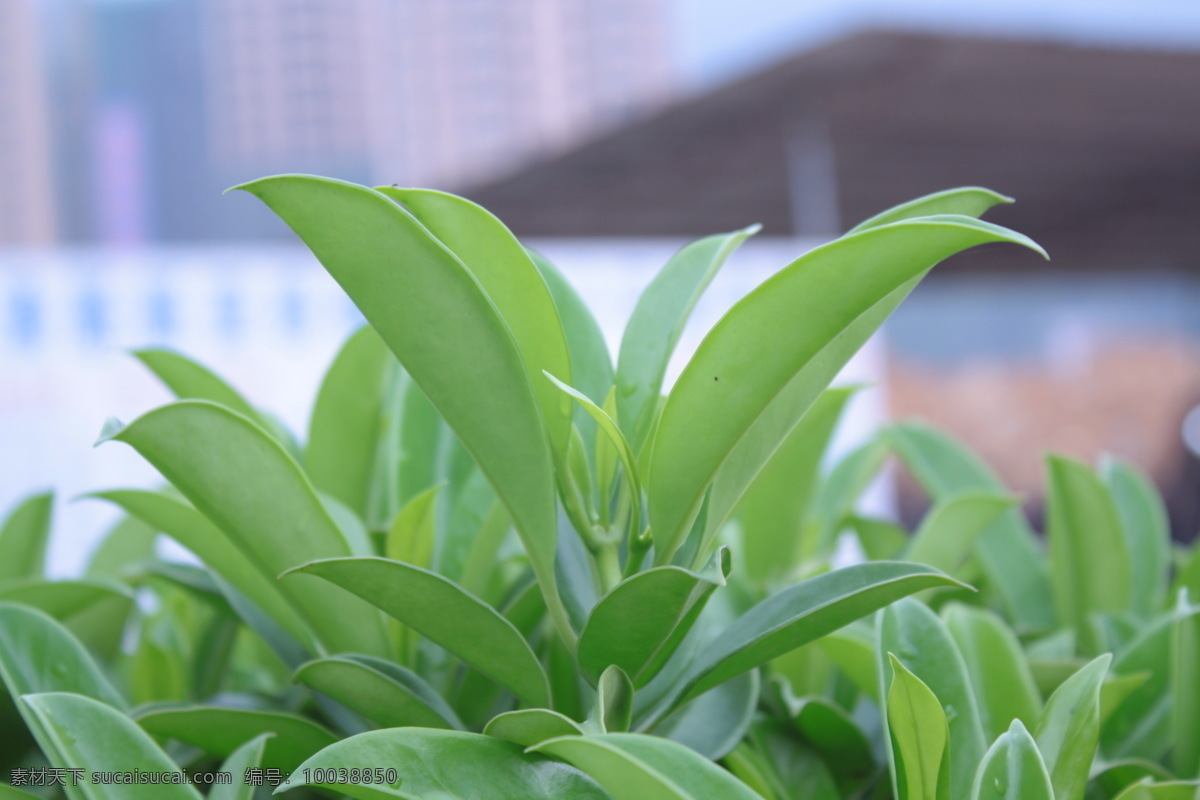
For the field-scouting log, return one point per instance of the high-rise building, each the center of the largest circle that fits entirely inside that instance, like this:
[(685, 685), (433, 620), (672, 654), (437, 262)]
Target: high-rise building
[(427, 93), (27, 207)]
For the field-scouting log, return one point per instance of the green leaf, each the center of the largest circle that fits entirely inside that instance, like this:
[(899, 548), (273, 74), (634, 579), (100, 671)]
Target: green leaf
[(753, 376), (348, 420), (1007, 551), (256, 494), (1144, 521), (439, 765), (833, 733), (127, 542), (713, 723), (656, 324), (1171, 790), (385, 693), (10, 793), (1185, 689), (531, 726), (38, 655), (221, 731), (1068, 730), (920, 640), (189, 380), (1013, 769), (1089, 555), (440, 322), (78, 732), (640, 623), (613, 710), (609, 428), (191, 529), (853, 649), (94, 610), (969, 200), (631, 766), (774, 507), (999, 671), (248, 756), (880, 539), (1140, 727), (591, 364), (23, 537), (424, 601), (920, 737), (839, 493), (512, 282), (805, 612), (952, 527)]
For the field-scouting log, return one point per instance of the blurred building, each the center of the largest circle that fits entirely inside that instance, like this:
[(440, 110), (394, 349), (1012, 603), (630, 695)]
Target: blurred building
[(161, 104), (27, 202)]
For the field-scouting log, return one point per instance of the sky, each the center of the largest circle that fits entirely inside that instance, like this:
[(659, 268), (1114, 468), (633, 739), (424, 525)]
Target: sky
[(718, 40)]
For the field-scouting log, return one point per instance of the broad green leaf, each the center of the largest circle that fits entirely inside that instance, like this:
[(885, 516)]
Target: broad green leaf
[(479, 575), (852, 648), (158, 667), (94, 610), (221, 731), (656, 324), (189, 380), (1144, 521), (640, 623), (617, 439), (919, 639), (411, 539), (38, 655), (773, 509), (952, 527), (1169, 790), (23, 537), (838, 495), (631, 766), (781, 767), (920, 737), (445, 765), (512, 282), (1008, 551), (969, 200), (1013, 769), (11, 793), (425, 601), (447, 333), (127, 542), (385, 693), (805, 612), (999, 671), (1089, 555), (77, 731), (222, 554), (613, 709), (713, 723), (880, 539), (1140, 727), (1185, 689), (421, 435), (833, 733), (247, 485), (753, 376), (248, 756), (531, 726), (591, 364), (348, 420), (1068, 730)]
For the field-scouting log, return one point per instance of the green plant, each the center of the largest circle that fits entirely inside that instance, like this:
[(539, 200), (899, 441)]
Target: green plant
[(504, 568)]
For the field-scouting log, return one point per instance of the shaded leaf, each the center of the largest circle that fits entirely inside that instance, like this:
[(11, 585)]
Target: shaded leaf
[(385, 693)]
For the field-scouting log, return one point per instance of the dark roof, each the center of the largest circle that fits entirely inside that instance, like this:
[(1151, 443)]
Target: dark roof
[(1100, 147)]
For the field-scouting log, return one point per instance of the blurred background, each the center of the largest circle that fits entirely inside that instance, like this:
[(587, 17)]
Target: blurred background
[(608, 133)]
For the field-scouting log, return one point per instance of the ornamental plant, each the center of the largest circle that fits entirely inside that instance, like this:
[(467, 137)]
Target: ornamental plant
[(500, 567)]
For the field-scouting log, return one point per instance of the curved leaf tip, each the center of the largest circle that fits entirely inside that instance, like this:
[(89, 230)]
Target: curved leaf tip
[(111, 430)]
